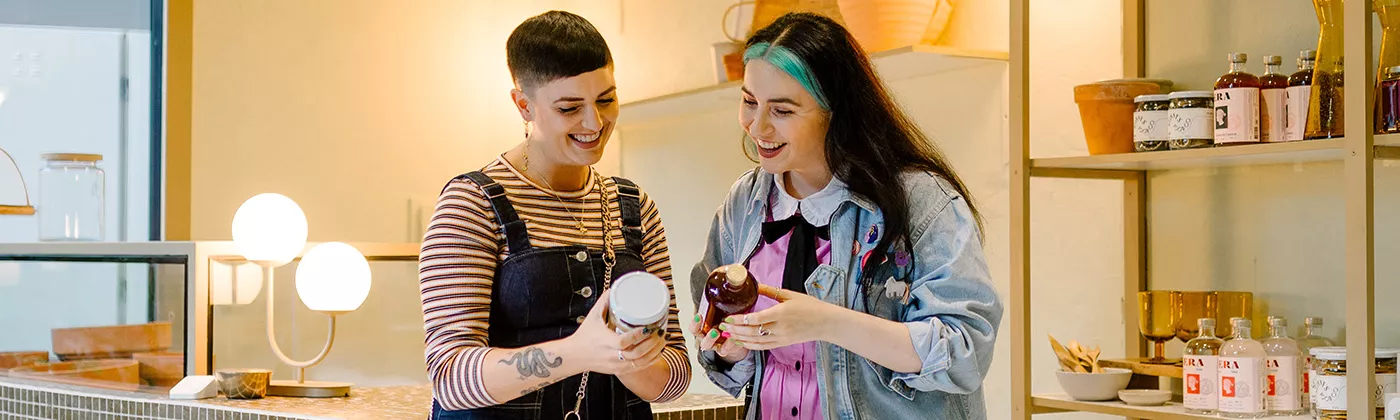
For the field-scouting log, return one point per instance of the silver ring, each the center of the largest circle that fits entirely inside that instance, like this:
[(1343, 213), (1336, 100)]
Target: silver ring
[(746, 318), (619, 356), (764, 331)]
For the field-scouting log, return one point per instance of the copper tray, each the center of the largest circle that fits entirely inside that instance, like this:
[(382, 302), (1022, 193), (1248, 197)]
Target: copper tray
[(110, 342), (121, 374), (22, 358), (161, 369)]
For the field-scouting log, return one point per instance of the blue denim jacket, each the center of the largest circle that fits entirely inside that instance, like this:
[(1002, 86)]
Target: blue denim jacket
[(951, 310)]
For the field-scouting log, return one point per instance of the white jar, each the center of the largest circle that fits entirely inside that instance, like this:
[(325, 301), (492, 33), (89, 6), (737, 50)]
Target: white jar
[(638, 300), (72, 198)]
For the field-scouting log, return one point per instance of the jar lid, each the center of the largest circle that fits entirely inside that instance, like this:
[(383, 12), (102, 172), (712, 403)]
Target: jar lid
[(639, 298), (72, 157), (1151, 98), (1329, 353), (1392, 70), (1192, 94)]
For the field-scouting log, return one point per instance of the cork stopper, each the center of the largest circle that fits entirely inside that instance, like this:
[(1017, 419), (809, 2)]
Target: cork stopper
[(1273, 60), (1239, 57), (735, 275)]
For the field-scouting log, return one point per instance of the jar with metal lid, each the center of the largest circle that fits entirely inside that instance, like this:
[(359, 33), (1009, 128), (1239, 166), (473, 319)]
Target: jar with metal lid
[(1388, 102), (1330, 384), (1386, 363), (1190, 117), (72, 198), (1150, 123), (638, 300)]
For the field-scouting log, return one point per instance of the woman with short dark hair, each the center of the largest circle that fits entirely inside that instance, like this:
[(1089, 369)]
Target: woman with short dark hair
[(519, 256)]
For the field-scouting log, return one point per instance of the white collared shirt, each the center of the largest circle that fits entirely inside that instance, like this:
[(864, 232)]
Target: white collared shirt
[(816, 208)]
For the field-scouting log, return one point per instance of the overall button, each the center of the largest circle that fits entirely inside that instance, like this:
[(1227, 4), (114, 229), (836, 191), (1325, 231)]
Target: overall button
[(580, 256), (579, 320), (586, 291)]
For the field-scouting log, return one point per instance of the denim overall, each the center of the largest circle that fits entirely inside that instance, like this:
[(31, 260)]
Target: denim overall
[(543, 294)]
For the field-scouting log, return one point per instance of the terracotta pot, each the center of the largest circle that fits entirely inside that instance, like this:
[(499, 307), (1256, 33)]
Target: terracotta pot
[(161, 369), (110, 373), (22, 358), (881, 25), (110, 342), (1106, 112)]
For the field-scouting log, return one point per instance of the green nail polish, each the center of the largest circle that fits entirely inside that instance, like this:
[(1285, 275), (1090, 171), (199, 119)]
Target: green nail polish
[(714, 333), (697, 318), (722, 327), (729, 320)]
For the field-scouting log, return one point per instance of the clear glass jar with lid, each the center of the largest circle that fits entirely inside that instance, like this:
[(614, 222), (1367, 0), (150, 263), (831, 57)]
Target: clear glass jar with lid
[(72, 198)]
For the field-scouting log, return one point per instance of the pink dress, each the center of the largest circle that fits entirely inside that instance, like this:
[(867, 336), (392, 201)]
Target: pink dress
[(789, 384)]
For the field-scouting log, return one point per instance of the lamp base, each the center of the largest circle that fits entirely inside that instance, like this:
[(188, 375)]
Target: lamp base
[(309, 389)]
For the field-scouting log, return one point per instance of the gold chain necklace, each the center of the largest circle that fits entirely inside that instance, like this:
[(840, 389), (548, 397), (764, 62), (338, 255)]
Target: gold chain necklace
[(582, 229)]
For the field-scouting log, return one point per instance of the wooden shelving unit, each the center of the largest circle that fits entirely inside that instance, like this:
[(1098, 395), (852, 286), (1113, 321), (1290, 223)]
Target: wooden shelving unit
[(893, 65), (1356, 153), (1056, 403)]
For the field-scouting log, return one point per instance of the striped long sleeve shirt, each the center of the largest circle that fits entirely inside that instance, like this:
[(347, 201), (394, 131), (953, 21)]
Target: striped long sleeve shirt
[(463, 246)]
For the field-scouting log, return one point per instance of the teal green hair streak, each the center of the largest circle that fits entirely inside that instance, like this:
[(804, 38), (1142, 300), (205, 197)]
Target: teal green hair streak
[(784, 59)]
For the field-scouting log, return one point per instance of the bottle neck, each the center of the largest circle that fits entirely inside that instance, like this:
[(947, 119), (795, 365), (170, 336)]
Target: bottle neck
[(1243, 333), (1237, 67), (1207, 332), (1309, 331), (1271, 69), (1306, 65), (1278, 331)]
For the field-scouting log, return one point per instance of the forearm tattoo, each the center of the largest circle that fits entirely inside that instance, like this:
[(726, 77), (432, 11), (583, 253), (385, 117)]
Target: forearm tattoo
[(533, 362)]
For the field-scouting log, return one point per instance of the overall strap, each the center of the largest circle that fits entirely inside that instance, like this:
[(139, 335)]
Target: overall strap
[(630, 200), (517, 239)]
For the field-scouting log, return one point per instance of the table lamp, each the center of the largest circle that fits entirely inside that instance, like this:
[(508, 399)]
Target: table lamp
[(333, 278)]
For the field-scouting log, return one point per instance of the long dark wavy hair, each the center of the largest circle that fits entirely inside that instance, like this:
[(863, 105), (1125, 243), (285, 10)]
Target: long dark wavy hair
[(870, 143)]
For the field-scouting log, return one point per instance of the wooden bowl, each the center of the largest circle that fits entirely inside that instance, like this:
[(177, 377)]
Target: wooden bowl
[(161, 369), (22, 358), (122, 374), (110, 342)]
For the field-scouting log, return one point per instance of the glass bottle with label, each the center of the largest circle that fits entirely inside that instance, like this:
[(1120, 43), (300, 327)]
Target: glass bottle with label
[(1200, 370), (1237, 105), (1296, 96), (1272, 88), (1311, 338), (1242, 374), (1285, 363)]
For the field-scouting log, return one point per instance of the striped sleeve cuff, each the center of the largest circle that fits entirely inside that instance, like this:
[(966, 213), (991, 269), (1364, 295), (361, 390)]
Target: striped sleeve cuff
[(680, 374), (463, 387)]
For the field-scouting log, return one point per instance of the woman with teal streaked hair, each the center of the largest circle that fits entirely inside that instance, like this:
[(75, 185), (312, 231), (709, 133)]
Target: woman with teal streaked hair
[(876, 298)]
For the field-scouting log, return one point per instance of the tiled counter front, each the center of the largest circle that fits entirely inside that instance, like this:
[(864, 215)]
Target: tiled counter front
[(23, 399)]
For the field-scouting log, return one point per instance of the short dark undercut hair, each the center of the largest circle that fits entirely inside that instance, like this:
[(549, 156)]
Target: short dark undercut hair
[(554, 45)]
